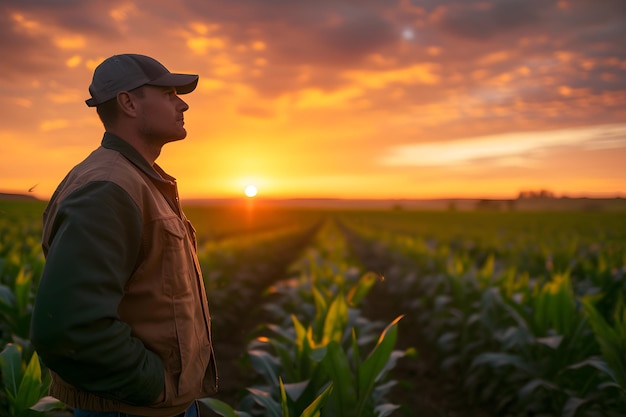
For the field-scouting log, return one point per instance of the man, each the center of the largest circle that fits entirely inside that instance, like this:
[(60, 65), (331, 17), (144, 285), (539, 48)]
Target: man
[(121, 317)]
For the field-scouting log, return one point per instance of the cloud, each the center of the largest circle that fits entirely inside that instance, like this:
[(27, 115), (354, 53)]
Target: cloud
[(518, 146), (482, 20), (357, 80)]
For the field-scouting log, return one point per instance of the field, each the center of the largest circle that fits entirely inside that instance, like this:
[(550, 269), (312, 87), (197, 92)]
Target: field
[(345, 312)]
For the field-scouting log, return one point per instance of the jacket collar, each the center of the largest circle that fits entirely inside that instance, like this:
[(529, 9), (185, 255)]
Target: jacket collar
[(115, 143)]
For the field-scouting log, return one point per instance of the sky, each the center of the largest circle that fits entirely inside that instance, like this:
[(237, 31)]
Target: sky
[(334, 99)]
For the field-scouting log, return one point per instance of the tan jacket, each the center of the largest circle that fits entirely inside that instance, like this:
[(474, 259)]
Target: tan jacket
[(121, 312)]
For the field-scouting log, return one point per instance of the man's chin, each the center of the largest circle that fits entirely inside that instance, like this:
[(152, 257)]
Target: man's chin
[(180, 136)]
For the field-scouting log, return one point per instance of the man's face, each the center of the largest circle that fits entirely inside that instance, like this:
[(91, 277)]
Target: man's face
[(160, 113)]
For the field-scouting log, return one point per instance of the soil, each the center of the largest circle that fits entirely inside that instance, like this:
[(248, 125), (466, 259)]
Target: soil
[(423, 390)]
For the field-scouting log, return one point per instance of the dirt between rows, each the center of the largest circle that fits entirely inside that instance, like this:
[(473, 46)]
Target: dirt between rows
[(423, 390)]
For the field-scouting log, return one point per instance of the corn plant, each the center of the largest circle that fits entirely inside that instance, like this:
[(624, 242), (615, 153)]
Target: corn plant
[(16, 303), (504, 306), (611, 337), (539, 361), (24, 387)]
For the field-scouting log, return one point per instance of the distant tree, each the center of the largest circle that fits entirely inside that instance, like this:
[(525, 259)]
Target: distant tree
[(530, 194), (488, 205)]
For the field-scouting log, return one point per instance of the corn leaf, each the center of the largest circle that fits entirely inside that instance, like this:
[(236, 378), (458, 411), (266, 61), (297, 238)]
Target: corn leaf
[(361, 288), (336, 364), (11, 366), (28, 392), (373, 365), (7, 298), (336, 320), (384, 410), (295, 390), (497, 360), (22, 290), (222, 408), (264, 399), (321, 308), (314, 408), (283, 398), (265, 364), (612, 340)]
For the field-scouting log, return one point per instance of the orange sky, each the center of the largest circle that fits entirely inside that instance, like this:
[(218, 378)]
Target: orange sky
[(348, 99)]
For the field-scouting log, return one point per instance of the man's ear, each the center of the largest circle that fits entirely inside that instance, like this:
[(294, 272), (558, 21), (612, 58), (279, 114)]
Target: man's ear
[(126, 103)]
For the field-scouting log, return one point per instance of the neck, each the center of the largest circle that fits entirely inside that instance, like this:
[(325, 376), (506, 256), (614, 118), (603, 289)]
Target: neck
[(150, 152)]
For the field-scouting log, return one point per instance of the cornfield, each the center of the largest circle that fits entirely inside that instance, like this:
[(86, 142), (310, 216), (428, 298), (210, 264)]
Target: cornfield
[(525, 310)]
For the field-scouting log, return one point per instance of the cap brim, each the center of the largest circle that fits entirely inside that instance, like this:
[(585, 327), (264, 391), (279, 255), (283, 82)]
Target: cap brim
[(184, 83)]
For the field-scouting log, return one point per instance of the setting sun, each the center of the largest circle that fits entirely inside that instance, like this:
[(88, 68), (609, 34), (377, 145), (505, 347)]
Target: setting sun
[(250, 191)]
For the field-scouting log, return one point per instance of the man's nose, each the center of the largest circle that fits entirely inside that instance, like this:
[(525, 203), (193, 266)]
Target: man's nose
[(183, 104)]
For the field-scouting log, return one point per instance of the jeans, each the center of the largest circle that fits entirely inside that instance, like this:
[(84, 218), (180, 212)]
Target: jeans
[(192, 411)]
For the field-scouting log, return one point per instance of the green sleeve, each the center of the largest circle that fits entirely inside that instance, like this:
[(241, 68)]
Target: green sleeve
[(76, 328)]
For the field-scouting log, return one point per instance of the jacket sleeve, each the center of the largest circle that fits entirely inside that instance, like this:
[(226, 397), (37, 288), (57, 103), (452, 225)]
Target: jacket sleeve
[(76, 329)]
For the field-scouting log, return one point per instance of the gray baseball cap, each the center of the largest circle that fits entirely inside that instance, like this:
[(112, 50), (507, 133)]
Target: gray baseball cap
[(128, 71)]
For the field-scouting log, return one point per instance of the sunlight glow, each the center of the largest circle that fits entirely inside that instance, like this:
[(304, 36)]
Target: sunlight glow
[(250, 191)]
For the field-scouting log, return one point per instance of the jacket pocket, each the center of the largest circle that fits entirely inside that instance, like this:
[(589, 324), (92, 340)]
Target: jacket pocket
[(177, 277)]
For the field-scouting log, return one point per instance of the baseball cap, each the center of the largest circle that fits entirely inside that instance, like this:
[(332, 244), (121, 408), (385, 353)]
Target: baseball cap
[(128, 71)]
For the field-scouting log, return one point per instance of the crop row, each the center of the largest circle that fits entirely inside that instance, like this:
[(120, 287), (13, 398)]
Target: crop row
[(535, 324), (319, 355)]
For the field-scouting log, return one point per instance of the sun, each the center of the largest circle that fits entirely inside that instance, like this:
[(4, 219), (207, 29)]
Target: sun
[(250, 191)]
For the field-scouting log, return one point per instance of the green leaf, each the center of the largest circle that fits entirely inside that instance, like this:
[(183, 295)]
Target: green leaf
[(303, 348), (597, 363), (265, 364), (300, 330), (11, 366), (22, 290), (526, 392), (222, 408), (336, 320), (295, 390), (356, 358), (497, 360), (7, 298), (552, 342), (384, 410), (360, 290), (264, 399), (318, 354), (344, 392), (612, 339), (28, 393), (373, 365), (321, 308), (555, 306), (314, 408), (572, 405), (283, 399)]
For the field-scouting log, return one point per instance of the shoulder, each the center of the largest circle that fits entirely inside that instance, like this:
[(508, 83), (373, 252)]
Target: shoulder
[(107, 166)]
